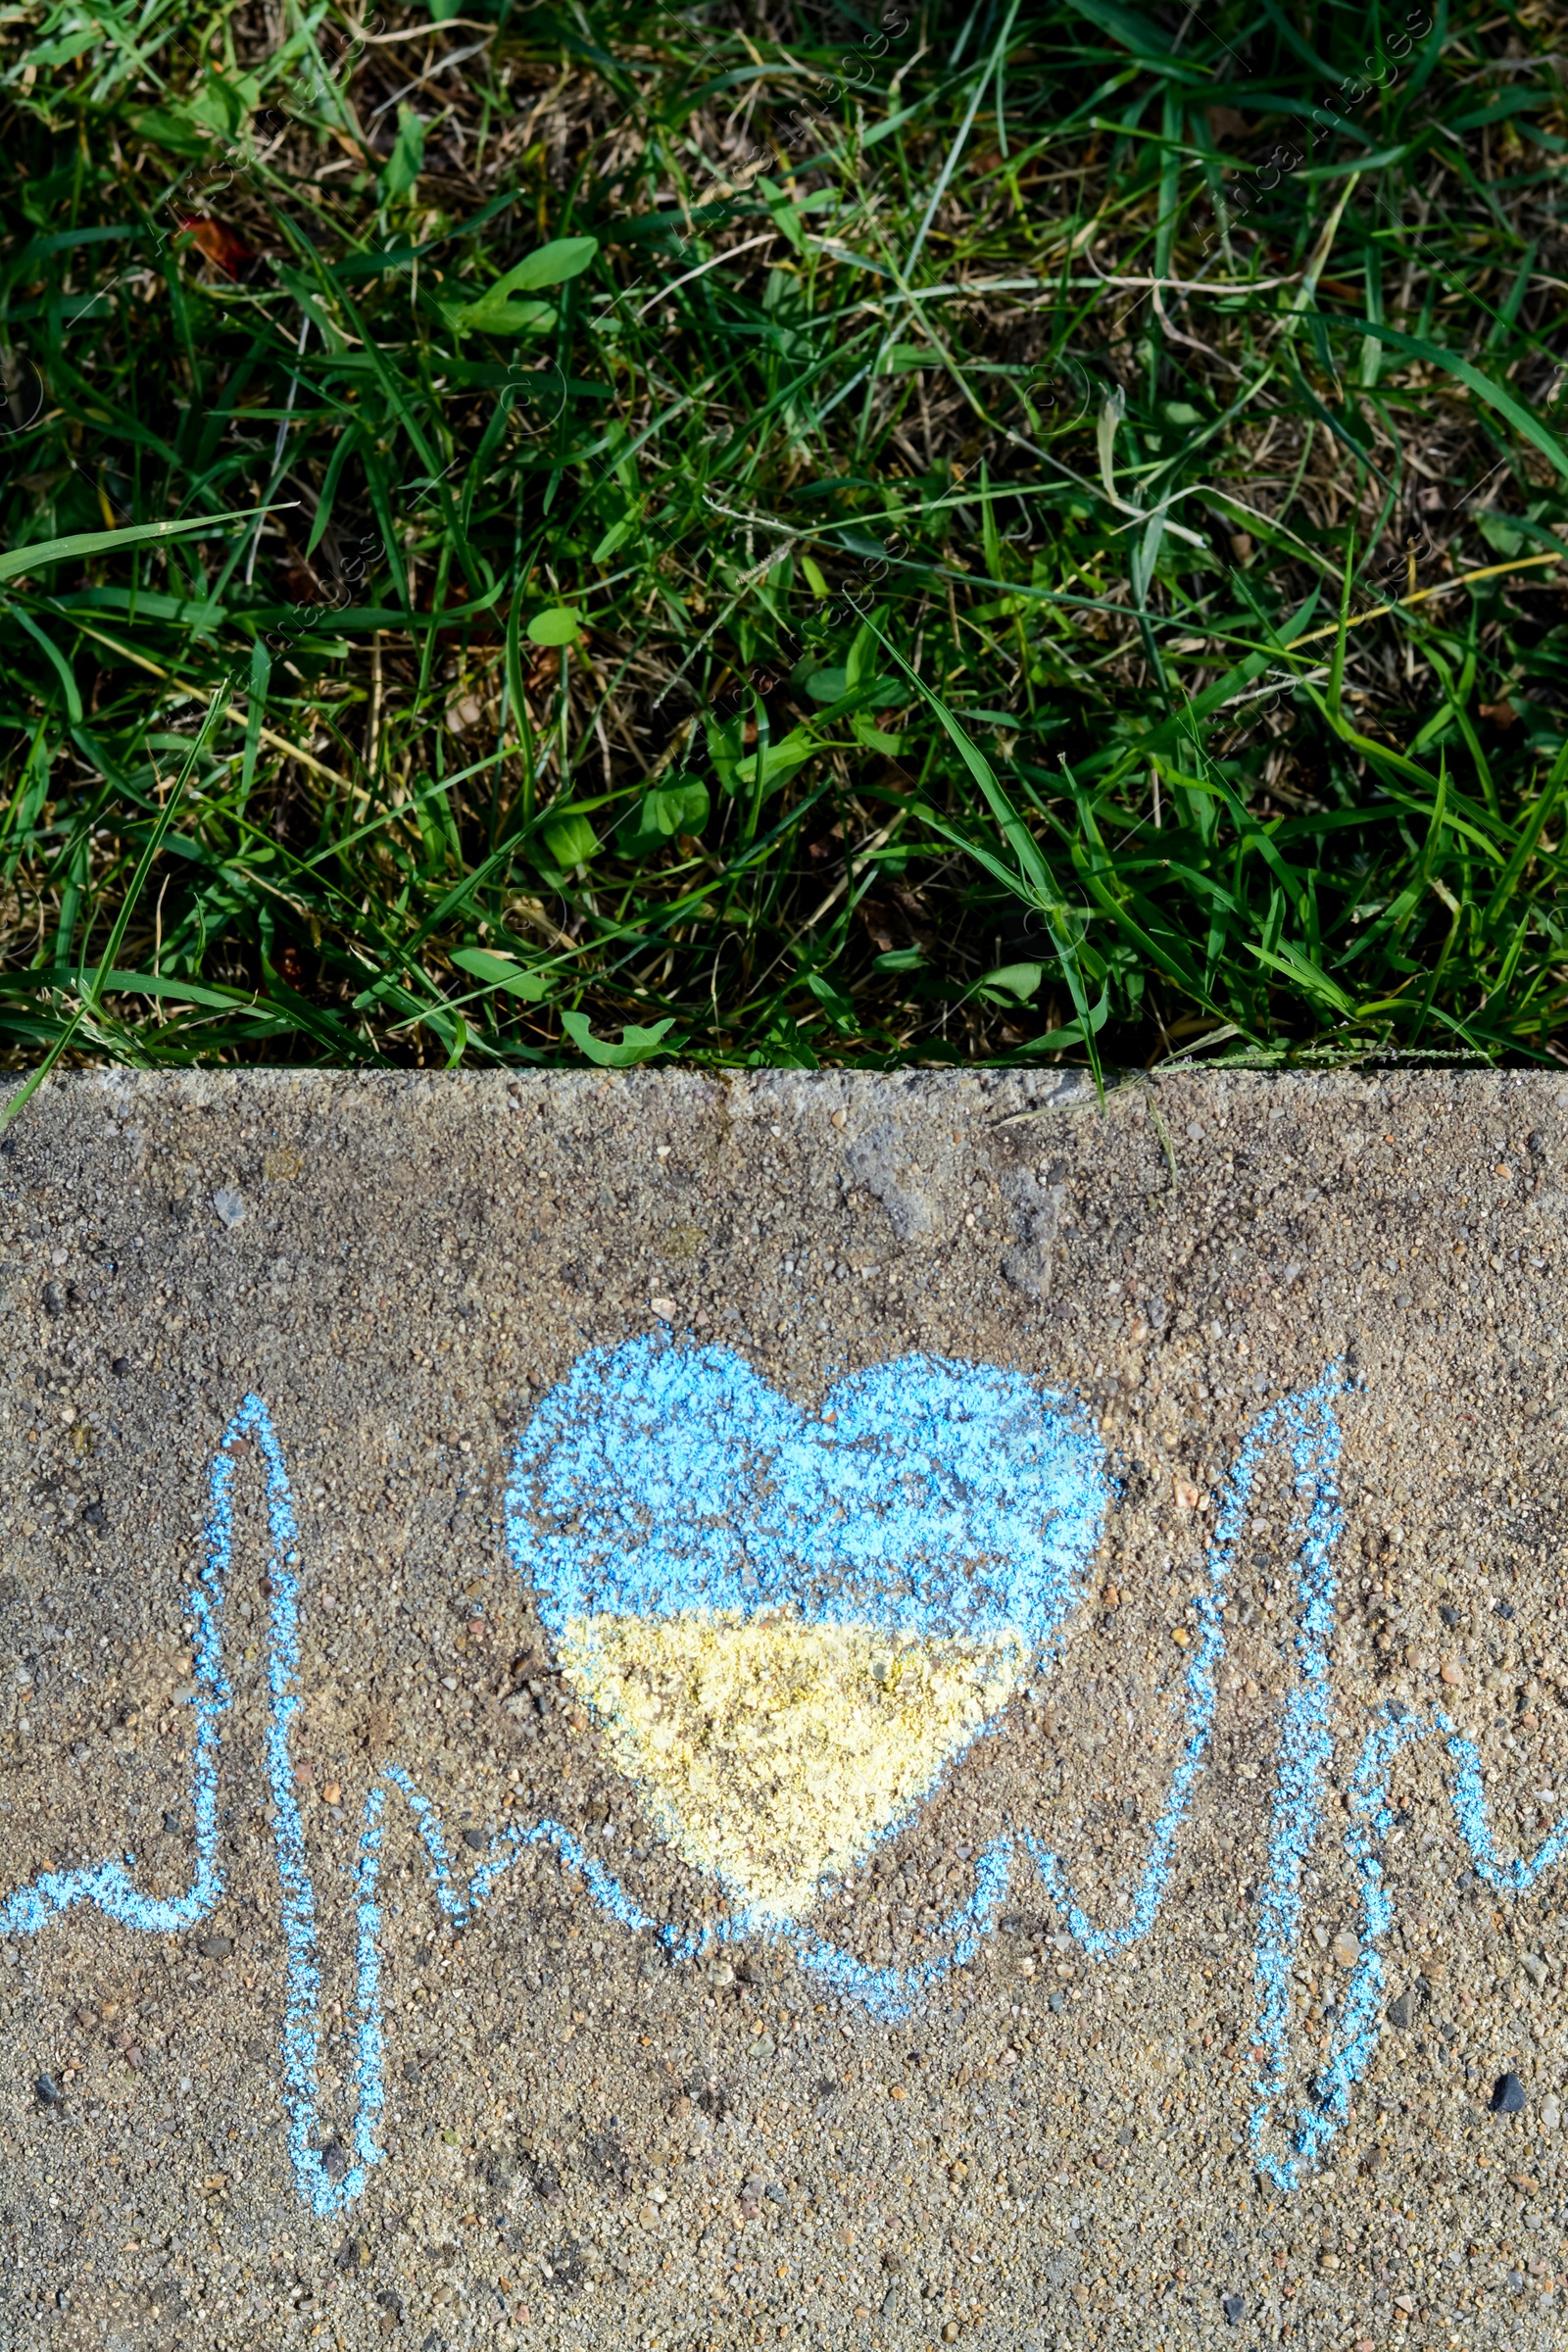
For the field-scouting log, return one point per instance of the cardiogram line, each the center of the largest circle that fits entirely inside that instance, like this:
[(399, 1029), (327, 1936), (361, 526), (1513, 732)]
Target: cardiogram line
[(329, 2181), (109, 1886)]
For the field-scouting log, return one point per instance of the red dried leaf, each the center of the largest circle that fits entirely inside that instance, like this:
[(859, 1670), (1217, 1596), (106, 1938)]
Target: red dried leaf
[(223, 247)]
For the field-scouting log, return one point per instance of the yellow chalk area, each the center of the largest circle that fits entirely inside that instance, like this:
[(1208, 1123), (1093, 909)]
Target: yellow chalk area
[(771, 1751)]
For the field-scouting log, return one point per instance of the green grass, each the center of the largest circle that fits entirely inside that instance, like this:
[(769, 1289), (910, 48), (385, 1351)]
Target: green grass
[(978, 653)]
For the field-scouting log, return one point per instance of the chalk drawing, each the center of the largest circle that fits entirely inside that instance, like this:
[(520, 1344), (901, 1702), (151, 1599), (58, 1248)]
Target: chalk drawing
[(790, 1622), (907, 1557)]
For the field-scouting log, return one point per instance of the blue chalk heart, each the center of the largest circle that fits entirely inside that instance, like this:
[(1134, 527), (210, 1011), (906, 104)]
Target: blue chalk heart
[(790, 1625), (930, 1497)]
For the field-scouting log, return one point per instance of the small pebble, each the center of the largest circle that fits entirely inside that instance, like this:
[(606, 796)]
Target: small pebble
[(1235, 2310), (1508, 2096), (215, 1947), (1347, 1949), (1402, 2009), (228, 1205), (1550, 2113), (48, 2091)]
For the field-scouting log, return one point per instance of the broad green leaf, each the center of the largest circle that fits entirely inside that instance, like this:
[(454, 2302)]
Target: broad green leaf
[(558, 625), (616, 536), (840, 1009), (725, 739), (551, 265), (835, 685), (407, 158), (1497, 535), (679, 805), (64, 51), (1019, 980), (571, 840), (636, 1045), (874, 738), (59, 52), (173, 129), (858, 662), (223, 105), (500, 971), (493, 315), (1076, 1032), (780, 760)]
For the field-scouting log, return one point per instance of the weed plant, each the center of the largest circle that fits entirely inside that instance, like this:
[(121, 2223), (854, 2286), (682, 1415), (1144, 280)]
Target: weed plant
[(784, 534)]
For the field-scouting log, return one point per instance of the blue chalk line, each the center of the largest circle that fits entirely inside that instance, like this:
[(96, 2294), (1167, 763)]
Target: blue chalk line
[(1101, 1942), (1307, 1418), (110, 1886), (1305, 1754)]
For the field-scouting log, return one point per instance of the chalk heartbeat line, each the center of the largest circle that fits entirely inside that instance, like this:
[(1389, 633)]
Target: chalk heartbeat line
[(1305, 1420)]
